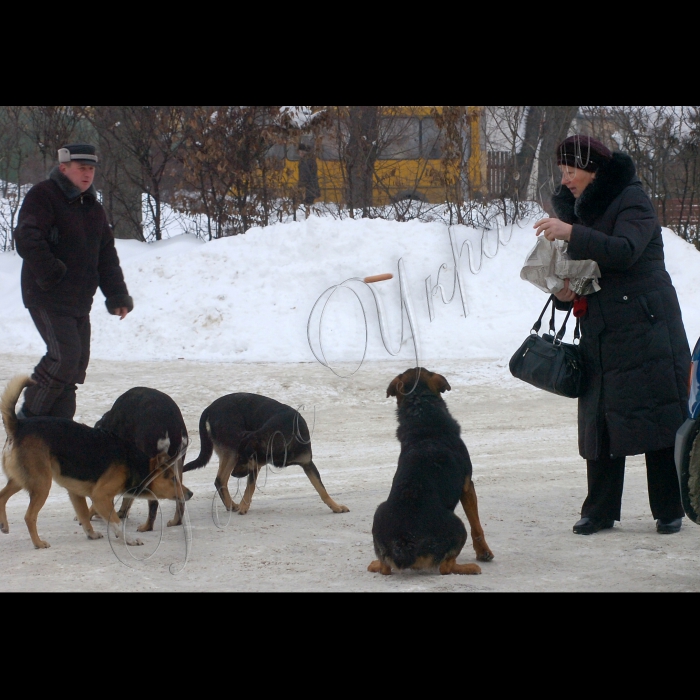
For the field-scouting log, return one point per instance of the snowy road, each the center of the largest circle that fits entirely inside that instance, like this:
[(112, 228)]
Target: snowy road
[(530, 483)]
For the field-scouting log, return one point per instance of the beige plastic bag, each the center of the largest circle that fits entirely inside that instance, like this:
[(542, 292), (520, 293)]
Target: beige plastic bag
[(547, 266)]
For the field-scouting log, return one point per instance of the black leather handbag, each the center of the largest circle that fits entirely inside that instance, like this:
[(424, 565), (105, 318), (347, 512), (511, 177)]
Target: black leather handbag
[(548, 363)]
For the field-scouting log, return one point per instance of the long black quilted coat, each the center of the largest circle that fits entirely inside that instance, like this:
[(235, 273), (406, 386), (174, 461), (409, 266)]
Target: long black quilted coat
[(634, 345)]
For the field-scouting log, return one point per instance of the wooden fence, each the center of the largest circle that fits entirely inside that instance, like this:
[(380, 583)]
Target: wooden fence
[(497, 166), (672, 212)]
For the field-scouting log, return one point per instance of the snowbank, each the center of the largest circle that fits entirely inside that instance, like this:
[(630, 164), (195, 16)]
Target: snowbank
[(249, 298)]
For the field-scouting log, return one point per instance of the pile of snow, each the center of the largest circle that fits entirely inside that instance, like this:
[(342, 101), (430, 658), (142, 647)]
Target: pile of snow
[(249, 298)]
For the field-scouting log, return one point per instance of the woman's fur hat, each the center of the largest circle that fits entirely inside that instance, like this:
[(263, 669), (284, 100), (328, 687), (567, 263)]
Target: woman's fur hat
[(583, 152)]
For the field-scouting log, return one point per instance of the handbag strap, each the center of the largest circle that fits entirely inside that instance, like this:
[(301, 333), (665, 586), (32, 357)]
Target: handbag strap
[(558, 336), (562, 331), (552, 326), (538, 323)]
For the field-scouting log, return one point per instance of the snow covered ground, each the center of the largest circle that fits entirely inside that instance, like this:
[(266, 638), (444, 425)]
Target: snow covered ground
[(529, 479), (233, 315)]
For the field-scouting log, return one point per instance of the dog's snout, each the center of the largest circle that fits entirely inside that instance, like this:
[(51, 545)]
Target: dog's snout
[(188, 494)]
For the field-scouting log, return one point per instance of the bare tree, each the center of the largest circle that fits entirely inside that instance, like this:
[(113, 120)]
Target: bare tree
[(525, 157), (462, 150), (14, 150), (378, 156), (664, 143), (513, 134), (50, 128), (230, 161), (530, 134), (555, 128), (360, 156), (142, 144)]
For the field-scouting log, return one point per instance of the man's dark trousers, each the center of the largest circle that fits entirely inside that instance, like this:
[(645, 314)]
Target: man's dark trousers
[(63, 366)]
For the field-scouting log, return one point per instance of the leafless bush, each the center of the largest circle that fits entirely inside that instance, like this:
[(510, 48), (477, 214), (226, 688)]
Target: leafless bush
[(233, 167)]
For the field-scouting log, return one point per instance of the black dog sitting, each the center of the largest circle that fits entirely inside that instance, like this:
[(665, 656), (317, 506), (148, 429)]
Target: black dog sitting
[(152, 421), (247, 431), (416, 527)]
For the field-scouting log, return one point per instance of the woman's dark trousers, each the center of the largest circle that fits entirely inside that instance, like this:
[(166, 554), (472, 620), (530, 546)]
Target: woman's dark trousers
[(606, 477), (62, 367)]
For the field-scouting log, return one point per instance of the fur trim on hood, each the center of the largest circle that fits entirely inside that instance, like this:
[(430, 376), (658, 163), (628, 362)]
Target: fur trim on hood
[(68, 188), (611, 178)]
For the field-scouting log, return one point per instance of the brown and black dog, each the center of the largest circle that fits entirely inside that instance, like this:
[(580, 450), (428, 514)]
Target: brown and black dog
[(416, 527), (248, 431), (85, 461)]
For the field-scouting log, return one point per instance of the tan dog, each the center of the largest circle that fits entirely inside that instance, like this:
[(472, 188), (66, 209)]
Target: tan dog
[(85, 461)]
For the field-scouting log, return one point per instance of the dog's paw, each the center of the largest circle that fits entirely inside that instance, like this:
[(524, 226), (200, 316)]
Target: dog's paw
[(145, 527), (174, 522), (134, 543), (5, 528), (483, 553), (92, 535), (376, 567), (340, 508), (243, 509), (41, 545), (233, 507)]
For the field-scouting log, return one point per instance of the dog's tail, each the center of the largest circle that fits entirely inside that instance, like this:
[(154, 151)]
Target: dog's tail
[(9, 399), (206, 445)]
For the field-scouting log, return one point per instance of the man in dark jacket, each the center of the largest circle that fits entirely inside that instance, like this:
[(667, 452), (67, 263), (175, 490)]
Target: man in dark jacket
[(68, 251), (634, 346)]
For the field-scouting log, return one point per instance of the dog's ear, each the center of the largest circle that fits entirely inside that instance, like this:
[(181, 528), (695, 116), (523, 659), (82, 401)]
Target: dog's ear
[(439, 384), (394, 387), (160, 461), (246, 448)]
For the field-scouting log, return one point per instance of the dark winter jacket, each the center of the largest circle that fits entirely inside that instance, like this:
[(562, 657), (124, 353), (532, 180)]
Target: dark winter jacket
[(634, 345), (68, 250)]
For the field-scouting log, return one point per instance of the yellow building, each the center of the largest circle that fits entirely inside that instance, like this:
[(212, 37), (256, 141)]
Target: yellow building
[(414, 156)]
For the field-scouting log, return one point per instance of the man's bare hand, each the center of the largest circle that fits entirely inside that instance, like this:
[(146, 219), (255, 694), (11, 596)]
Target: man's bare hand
[(122, 311), (553, 229), (565, 294)]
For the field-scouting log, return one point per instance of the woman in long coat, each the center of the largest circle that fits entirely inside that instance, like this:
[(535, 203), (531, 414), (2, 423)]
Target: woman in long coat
[(634, 346)]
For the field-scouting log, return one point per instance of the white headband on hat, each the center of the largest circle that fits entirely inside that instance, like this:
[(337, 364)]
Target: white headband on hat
[(65, 156)]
